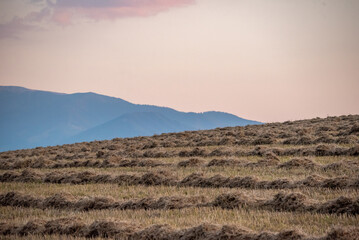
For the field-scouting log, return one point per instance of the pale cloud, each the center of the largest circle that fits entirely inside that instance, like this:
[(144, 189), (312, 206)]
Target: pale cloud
[(64, 12), (16, 25), (11, 29)]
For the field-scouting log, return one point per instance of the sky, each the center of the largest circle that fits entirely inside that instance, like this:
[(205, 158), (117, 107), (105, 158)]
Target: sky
[(266, 60)]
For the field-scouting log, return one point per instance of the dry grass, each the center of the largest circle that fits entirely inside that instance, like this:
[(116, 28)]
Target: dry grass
[(258, 220), (292, 150)]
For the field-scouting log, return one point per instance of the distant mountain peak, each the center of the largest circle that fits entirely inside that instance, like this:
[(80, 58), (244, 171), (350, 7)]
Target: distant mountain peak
[(31, 118), (17, 89)]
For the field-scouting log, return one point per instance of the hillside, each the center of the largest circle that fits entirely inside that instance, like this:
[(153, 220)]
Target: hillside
[(278, 181), (31, 118)]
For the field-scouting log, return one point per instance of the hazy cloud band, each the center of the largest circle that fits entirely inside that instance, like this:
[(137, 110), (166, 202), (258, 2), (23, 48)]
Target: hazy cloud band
[(64, 12)]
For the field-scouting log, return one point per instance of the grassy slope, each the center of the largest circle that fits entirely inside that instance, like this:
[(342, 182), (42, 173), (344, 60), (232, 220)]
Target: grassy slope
[(255, 219)]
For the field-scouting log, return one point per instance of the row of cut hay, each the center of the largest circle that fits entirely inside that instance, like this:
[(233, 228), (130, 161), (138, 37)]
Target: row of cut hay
[(250, 182), (107, 158), (270, 159), (168, 179), (319, 150), (124, 230), (290, 202), (67, 201), (111, 162)]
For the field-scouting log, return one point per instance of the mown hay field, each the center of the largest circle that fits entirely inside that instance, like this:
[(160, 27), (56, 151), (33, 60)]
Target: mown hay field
[(291, 180)]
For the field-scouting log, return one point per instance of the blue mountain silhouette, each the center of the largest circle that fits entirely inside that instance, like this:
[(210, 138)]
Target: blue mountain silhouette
[(32, 118)]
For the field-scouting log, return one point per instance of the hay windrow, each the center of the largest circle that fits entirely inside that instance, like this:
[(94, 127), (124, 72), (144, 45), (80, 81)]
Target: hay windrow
[(109, 229), (125, 230), (224, 162), (232, 200), (32, 227), (26, 175), (192, 162), (166, 178), (268, 160), (160, 232), (299, 162), (65, 201), (132, 158), (138, 159), (338, 233), (65, 226), (157, 178), (289, 202), (107, 163), (140, 163), (341, 165), (341, 205), (265, 162)]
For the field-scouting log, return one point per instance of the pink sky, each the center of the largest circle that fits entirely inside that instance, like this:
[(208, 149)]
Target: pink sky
[(263, 60)]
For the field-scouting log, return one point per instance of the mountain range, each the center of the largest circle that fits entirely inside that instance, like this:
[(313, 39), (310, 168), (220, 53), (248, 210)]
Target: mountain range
[(32, 118)]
